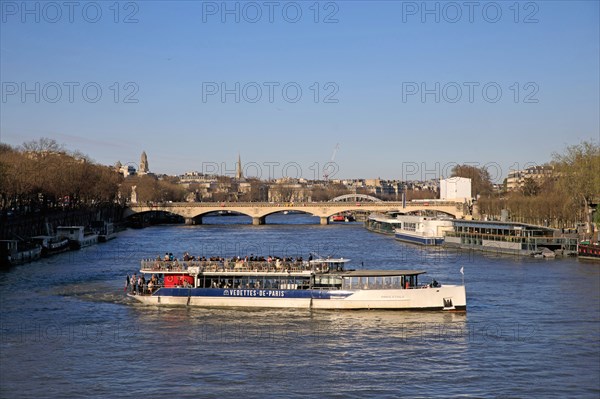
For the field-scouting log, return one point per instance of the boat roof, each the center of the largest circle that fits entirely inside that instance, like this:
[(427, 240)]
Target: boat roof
[(494, 224), (384, 218), (330, 260), (380, 273)]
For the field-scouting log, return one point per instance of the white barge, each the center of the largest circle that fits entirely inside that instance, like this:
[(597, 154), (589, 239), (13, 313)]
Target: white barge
[(422, 230), (318, 284), (77, 236)]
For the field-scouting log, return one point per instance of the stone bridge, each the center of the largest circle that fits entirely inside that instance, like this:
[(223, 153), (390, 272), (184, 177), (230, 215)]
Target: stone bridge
[(258, 211)]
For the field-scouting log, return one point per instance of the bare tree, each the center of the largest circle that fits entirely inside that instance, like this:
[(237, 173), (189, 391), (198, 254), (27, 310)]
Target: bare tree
[(44, 144), (579, 177), (481, 183)]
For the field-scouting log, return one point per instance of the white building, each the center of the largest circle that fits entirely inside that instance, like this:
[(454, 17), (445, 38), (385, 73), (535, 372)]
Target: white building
[(128, 170), (455, 189)]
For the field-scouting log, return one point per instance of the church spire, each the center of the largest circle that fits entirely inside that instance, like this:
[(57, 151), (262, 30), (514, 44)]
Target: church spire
[(238, 170), (144, 164)]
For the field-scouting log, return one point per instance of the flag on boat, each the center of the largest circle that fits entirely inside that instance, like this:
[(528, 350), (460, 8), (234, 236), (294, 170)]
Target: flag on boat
[(462, 270)]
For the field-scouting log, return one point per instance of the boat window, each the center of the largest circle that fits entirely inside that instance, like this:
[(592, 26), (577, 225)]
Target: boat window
[(328, 281), (350, 283)]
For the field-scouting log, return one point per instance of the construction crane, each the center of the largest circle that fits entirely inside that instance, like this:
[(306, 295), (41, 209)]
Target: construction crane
[(328, 165)]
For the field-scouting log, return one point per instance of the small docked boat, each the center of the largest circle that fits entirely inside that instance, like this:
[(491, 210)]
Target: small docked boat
[(77, 236), (342, 217), (314, 284), (15, 252), (543, 253), (52, 244), (105, 230), (384, 224), (589, 251)]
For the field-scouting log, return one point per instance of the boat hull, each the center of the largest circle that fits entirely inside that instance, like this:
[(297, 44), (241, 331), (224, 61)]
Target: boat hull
[(86, 241), (414, 239), (25, 256), (447, 298), (106, 237)]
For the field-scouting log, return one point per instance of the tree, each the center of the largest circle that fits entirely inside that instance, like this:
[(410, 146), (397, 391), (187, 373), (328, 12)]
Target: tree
[(40, 175), (530, 187), (283, 192), (481, 183), (319, 194), (578, 171), (44, 144)]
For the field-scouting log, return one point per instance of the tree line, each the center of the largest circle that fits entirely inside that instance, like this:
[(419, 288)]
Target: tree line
[(41, 175), (563, 199)]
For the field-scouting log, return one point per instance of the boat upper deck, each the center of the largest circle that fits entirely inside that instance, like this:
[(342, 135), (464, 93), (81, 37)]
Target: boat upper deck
[(241, 266), (293, 268), (379, 273)]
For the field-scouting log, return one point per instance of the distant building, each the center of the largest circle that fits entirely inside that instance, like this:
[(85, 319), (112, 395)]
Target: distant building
[(516, 178), (127, 170), (455, 189)]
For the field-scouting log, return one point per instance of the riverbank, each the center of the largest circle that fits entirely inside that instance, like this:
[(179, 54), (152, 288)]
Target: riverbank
[(26, 238), (46, 222)]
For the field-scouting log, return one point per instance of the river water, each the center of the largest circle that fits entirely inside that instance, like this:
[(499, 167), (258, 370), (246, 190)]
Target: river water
[(67, 330)]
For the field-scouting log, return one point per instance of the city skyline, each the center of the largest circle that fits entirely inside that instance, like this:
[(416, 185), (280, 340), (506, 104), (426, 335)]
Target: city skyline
[(396, 85), (268, 171)]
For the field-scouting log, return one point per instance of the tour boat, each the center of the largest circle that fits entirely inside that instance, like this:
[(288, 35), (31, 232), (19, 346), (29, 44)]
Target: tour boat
[(314, 284), (423, 230)]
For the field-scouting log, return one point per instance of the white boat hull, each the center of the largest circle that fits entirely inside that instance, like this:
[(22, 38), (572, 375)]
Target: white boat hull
[(449, 298)]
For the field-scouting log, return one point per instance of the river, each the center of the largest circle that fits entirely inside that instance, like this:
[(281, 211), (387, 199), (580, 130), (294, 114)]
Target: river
[(68, 330)]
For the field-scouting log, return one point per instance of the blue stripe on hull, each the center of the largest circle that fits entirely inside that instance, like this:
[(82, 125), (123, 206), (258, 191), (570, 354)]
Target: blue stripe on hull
[(419, 240), (244, 293)]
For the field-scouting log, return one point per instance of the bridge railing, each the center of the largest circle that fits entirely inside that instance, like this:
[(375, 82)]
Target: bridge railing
[(383, 204)]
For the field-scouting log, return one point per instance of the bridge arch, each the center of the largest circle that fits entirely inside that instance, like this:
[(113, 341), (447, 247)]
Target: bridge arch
[(263, 216), (152, 216), (193, 212), (355, 197)]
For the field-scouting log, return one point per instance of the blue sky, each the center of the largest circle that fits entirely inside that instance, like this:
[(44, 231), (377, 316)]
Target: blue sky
[(362, 69)]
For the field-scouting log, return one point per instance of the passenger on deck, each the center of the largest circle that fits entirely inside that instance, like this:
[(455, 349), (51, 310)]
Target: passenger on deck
[(134, 283), (142, 284)]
